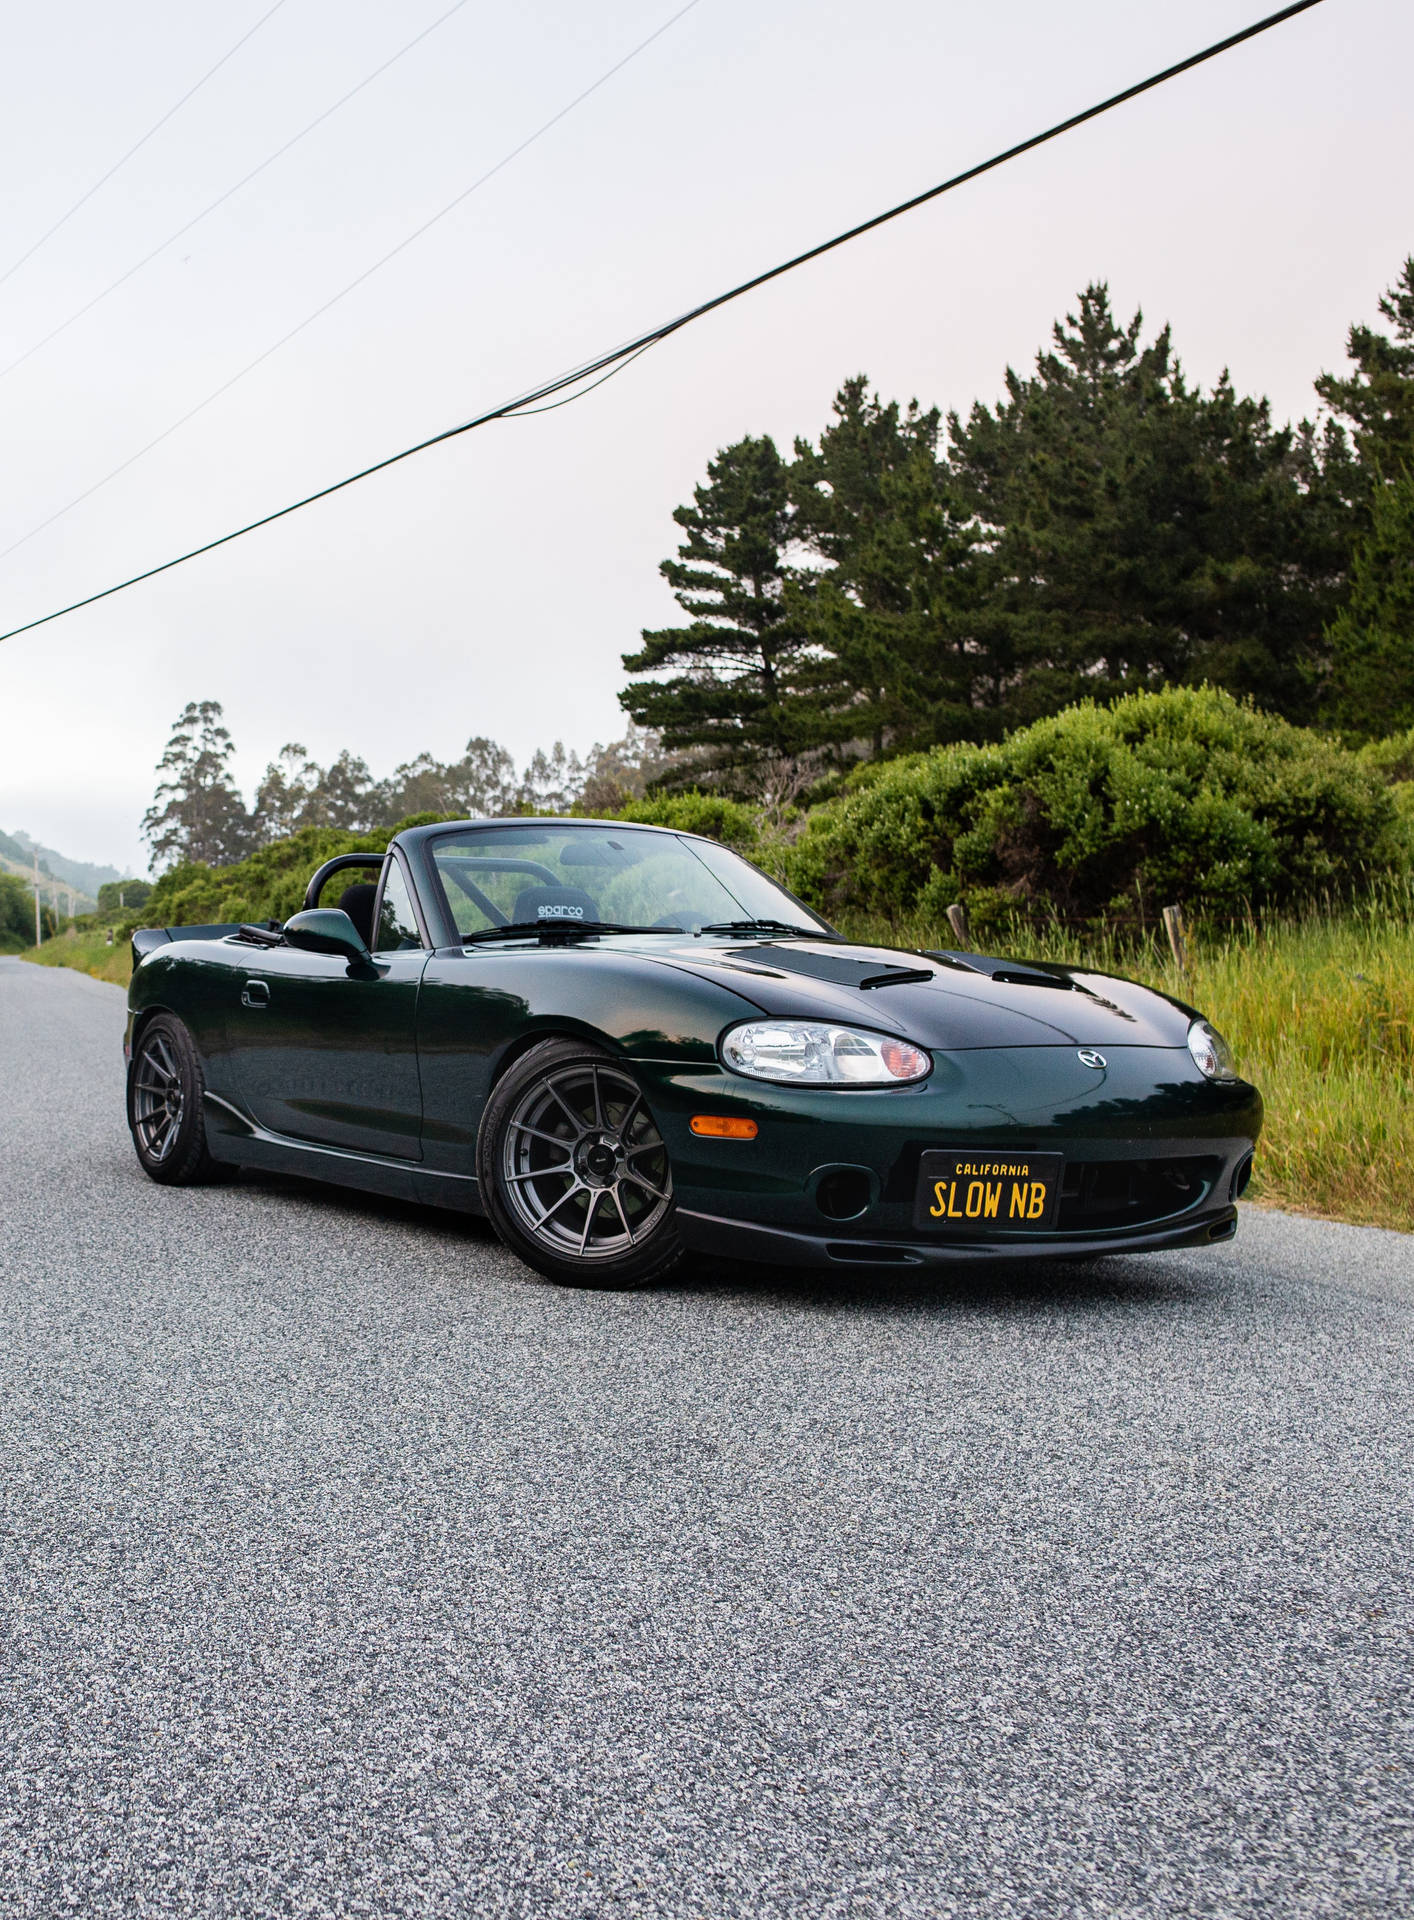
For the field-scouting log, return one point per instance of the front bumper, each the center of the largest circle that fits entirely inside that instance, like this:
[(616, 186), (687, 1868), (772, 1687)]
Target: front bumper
[(766, 1199), (777, 1246)]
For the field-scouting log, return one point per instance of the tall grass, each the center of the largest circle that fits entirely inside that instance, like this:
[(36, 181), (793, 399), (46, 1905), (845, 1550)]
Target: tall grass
[(1320, 1012), (86, 953)]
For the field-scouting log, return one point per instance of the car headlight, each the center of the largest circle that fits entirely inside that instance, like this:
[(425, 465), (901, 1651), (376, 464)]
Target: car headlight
[(814, 1053), (1211, 1054)]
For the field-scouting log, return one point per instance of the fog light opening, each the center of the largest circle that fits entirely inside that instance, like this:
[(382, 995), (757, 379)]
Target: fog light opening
[(1242, 1175), (844, 1193)]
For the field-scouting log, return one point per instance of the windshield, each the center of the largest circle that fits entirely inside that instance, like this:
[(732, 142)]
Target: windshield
[(560, 875)]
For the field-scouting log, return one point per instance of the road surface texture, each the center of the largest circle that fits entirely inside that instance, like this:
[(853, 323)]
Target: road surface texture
[(348, 1568)]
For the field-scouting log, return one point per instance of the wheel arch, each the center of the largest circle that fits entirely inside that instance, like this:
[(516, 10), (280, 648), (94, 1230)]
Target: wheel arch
[(142, 1019), (561, 1028)]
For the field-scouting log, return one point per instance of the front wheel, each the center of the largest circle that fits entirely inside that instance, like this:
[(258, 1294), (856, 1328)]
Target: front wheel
[(166, 1088), (574, 1172)]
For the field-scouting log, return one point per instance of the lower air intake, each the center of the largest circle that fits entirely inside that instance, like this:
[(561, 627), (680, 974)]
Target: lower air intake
[(1124, 1193)]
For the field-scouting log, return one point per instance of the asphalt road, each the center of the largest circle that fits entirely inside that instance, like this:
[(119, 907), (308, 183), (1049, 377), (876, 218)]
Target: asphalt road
[(347, 1568)]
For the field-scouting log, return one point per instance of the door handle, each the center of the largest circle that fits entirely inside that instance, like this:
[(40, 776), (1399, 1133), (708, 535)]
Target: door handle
[(256, 993)]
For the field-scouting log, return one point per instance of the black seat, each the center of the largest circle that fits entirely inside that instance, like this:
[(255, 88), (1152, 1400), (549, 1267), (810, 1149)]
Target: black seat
[(357, 902), (555, 903)]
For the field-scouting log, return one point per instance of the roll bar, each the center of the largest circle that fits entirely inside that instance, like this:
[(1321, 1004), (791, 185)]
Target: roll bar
[(336, 865)]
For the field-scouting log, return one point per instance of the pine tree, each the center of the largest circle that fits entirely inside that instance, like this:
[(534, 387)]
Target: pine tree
[(1371, 690), (1140, 532), (887, 612), (196, 813), (1378, 397), (736, 691)]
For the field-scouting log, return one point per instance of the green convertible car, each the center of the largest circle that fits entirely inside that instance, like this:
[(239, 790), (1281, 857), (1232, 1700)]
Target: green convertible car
[(622, 1043)]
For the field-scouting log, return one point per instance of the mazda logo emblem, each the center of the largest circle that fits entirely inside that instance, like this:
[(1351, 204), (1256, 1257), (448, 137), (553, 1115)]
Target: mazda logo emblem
[(1089, 1058)]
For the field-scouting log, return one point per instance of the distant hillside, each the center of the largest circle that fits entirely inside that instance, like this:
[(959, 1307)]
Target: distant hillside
[(56, 893), (82, 875), (10, 849)]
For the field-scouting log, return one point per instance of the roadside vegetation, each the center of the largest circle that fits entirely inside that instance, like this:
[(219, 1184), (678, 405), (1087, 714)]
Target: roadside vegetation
[(87, 951)]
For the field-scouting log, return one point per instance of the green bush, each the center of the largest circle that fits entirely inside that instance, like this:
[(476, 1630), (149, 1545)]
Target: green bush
[(1186, 795), (704, 813), (16, 914), (1392, 759), (268, 886)]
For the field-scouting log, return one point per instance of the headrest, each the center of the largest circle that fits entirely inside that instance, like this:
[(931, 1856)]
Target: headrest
[(357, 903), (552, 904)]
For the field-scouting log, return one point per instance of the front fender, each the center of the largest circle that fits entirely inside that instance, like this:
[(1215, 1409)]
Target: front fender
[(480, 1009)]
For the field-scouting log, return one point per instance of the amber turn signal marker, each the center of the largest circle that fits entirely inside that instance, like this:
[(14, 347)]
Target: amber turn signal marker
[(718, 1126)]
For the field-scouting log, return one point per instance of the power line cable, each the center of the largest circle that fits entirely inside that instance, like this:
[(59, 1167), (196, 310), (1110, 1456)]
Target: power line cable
[(157, 127), (344, 292), (620, 357), (221, 199)]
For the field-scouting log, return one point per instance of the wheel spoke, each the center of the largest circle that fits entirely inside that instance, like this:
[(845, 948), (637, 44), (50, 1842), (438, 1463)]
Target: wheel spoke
[(618, 1202), (647, 1185), (153, 1086), (576, 1120), (540, 1173), (568, 1194), (555, 1139), (589, 1218), (598, 1100)]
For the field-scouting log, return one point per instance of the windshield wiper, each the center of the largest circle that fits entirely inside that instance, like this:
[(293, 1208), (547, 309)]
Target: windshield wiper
[(766, 926), (554, 930)]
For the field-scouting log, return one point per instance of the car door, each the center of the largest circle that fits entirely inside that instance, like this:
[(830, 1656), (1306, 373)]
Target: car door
[(325, 1050)]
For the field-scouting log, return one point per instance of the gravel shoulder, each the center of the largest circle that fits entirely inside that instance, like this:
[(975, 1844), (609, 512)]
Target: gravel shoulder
[(348, 1568)]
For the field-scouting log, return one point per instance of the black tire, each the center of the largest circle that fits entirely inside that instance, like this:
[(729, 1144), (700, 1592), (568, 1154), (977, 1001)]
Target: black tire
[(166, 1090), (574, 1173)]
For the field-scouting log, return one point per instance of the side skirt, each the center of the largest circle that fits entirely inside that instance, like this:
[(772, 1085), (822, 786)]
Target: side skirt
[(242, 1142)]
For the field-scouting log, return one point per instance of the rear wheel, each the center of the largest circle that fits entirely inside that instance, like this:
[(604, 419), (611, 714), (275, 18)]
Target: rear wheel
[(574, 1172), (165, 1092)]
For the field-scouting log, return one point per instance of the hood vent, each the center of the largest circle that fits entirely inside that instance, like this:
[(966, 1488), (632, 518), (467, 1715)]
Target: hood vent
[(840, 970), (1008, 972)]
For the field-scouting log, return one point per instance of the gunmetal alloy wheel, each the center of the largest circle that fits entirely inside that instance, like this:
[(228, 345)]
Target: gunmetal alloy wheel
[(159, 1099), (575, 1172), (165, 1091)]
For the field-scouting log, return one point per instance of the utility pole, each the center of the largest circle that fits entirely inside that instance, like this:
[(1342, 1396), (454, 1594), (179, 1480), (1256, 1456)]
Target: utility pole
[(38, 922)]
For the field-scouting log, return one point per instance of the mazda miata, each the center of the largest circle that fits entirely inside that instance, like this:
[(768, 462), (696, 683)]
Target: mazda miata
[(622, 1043)]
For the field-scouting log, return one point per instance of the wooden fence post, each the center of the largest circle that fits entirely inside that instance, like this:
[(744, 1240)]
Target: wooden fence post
[(957, 920), (1173, 927)]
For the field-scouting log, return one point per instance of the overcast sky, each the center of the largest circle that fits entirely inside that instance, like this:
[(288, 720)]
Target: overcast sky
[(490, 586)]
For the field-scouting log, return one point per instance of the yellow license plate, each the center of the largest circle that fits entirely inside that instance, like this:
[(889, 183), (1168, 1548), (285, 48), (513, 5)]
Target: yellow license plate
[(977, 1193)]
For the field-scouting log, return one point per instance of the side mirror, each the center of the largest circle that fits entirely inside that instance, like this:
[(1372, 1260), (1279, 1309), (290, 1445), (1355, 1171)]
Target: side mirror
[(327, 930)]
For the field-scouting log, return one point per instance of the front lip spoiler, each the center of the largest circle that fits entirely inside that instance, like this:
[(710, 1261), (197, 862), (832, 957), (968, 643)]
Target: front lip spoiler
[(779, 1246)]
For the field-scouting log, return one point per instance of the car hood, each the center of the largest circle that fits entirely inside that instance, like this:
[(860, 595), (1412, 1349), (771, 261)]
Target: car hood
[(943, 1000)]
